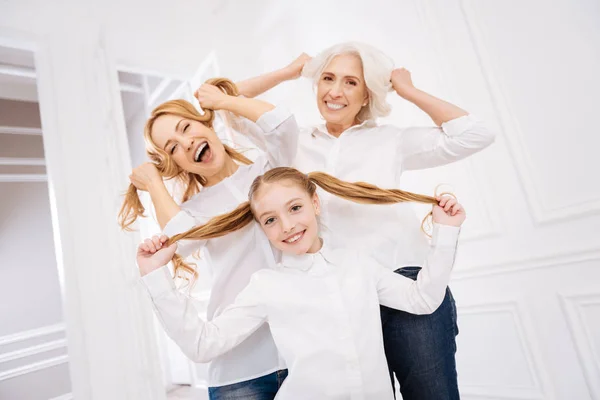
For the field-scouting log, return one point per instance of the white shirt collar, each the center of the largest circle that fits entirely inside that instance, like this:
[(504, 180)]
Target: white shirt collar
[(322, 128), (305, 261)]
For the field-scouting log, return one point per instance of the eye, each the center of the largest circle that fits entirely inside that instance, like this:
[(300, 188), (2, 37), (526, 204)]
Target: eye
[(173, 148), (295, 208), (185, 128), (353, 83), (269, 221), (327, 78)]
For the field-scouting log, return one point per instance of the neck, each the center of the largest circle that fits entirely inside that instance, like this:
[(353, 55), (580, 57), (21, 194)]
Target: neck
[(337, 129), (229, 168), (316, 246)]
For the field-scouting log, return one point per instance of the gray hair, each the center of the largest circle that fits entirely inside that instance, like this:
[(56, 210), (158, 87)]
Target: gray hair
[(377, 70)]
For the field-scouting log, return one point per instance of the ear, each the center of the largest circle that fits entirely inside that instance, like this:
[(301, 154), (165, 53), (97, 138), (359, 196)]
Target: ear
[(366, 99), (316, 204)]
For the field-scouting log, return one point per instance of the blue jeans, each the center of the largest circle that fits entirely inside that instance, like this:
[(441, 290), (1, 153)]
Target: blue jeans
[(420, 349), (263, 388)]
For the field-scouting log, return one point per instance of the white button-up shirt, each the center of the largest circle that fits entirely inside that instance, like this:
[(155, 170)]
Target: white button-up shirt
[(235, 257), (323, 311), (378, 154)]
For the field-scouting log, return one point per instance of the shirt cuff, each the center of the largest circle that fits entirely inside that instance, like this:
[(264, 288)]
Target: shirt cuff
[(445, 235), (180, 223), (272, 119), (458, 126), (159, 282)]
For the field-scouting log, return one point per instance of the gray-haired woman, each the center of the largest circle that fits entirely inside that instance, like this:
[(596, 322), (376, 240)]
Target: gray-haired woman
[(352, 81)]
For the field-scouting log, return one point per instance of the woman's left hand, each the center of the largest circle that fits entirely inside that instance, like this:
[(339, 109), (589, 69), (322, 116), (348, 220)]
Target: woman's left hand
[(401, 81), (210, 96), (448, 212)]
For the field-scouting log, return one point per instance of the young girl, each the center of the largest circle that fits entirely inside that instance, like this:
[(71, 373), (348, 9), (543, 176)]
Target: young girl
[(182, 144), (321, 303)]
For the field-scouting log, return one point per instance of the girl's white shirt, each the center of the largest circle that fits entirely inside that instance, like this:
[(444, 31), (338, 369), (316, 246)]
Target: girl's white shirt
[(323, 312)]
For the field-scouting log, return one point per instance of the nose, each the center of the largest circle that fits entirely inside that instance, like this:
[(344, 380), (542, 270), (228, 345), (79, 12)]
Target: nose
[(189, 143), (287, 225), (336, 90)]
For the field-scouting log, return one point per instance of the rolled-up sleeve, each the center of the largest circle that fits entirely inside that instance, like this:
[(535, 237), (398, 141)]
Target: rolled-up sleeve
[(182, 222), (275, 133), (421, 148)]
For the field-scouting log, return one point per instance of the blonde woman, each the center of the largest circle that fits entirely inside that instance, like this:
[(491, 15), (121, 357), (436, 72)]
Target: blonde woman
[(182, 144), (321, 303)]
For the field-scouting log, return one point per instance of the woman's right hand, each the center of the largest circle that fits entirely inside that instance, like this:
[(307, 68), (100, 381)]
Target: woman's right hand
[(144, 176), (151, 254), (294, 69), (210, 97)]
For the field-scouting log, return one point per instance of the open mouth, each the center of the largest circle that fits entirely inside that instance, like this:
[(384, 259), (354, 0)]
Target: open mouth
[(203, 153), (334, 106), (295, 238)]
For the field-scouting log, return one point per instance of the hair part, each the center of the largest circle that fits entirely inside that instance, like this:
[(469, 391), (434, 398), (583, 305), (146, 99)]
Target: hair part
[(377, 71)]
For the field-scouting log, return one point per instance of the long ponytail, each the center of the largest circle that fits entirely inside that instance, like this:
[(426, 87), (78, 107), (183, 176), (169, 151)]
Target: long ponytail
[(358, 192)]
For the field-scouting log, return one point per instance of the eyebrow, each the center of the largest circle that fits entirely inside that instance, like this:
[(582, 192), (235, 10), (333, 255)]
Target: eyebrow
[(287, 204), (176, 129), (347, 76)]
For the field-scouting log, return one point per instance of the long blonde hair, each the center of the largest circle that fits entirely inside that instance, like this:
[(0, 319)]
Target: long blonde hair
[(358, 192), (132, 207)]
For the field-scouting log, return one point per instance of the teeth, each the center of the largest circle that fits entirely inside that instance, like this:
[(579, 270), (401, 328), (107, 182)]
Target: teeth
[(200, 148), (334, 106), (294, 238)]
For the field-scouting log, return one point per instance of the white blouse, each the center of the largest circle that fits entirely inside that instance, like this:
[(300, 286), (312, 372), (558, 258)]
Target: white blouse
[(378, 154), (323, 311), (235, 257)]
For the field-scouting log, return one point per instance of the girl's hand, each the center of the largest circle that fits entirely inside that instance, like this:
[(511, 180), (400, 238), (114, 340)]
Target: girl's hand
[(151, 254), (210, 96), (401, 81), (145, 176), (294, 70), (448, 212)]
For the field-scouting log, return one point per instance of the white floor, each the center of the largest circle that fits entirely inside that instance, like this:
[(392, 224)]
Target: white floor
[(187, 393)]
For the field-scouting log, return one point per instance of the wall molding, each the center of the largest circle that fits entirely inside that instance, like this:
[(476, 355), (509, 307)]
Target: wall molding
[(572, 305), (516, 145), (66, 396), (530, 351), (23, 178), (31, 334), (527, 264), (36, 366), (18, 130), (32, 350)]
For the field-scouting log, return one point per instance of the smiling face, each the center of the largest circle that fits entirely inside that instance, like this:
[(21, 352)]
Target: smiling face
[(341, 91), (192, 145), (288, 216)]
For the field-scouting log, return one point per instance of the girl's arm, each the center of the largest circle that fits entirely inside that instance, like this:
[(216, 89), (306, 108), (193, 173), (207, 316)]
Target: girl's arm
[(425, 295), (200, 340)]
